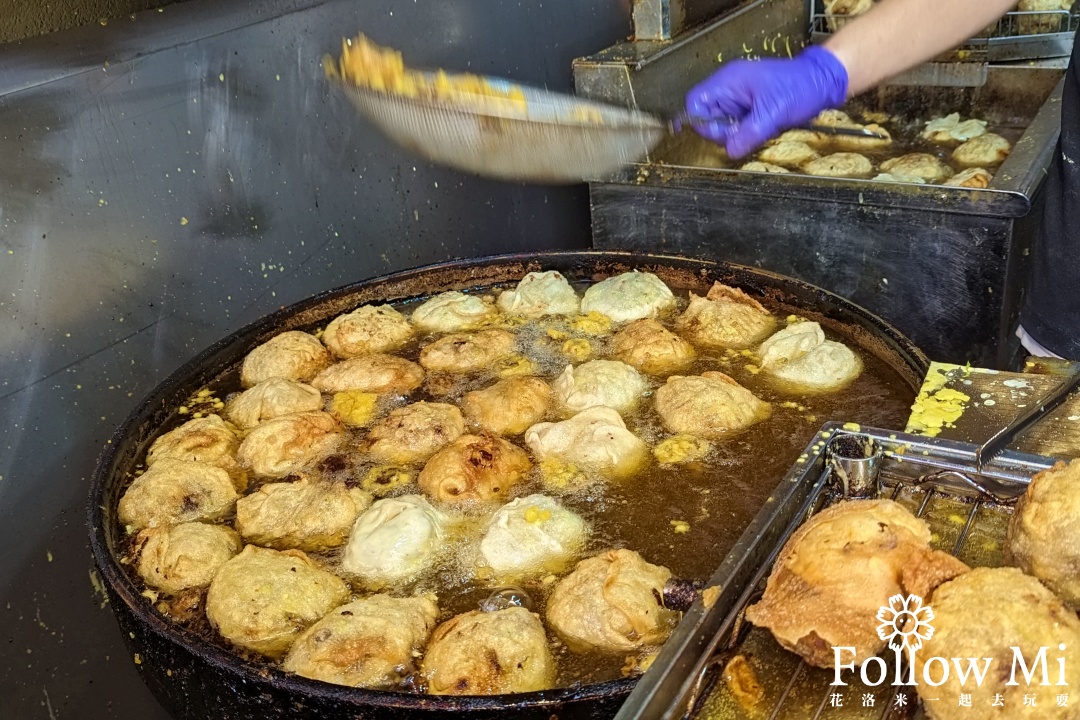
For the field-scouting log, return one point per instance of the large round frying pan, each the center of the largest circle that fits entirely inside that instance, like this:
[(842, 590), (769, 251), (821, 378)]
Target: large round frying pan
[(194, 679)]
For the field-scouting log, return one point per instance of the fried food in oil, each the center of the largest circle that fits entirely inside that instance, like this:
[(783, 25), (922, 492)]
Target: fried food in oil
[(489, 653), (651, 348), (394, 541), (612, 602), (789, 154), (179, 557), (177, 491), (270, 399), (593, 441), (920, 165), (292, 355), (985, 614), (840, 165), (609, 383), (286, 444), (468, 352), (800, 359), (710, 405), (305, 514), (531, 536), (539, 294), (1044, 531), (977, 178), (413, 433), (369, 643), (453, 312), (630, 296), (377, 373), (366, 330), (764, 167), (726, 318), (854, 143), (509, 407), (208, 440), (950, 130), (474, 468), (839, 569), (984, 151)]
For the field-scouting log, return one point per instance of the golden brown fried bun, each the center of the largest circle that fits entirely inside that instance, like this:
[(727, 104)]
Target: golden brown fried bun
[(800, 359), (920, 165), (789, 154), (977, 178), (208, 440), (395, 541), (609, 383), (651, 348), (593, 441), (179, 557), (413, 433), (629, 296), (726, 318), (539, 294), (305, 514), (530, 536), (366, 330), (764, 167), (509, 407), (468, 352), (453, 312), (177, 491), (474, 468), (292, 355), (286, 444), (710, 405), (840, 165), (984, 151), (270, 399), (380, 374), (855, 143)]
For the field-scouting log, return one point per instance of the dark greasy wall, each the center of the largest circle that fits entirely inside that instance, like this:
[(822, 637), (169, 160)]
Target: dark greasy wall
[(25, 18), (167, 179)]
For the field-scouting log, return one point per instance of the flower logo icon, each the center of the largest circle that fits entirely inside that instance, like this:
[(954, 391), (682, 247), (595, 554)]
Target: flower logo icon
[(905, 622)]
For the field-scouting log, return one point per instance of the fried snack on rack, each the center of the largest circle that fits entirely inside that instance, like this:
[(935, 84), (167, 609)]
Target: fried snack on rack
[(630, 296), (984, 151), (799, 359), (366, 330), (920, 165), (371, 66), (413, 433), (474, 469), (609, 383), (531, 536), (1044, 531), (612, 602), (839, 569), (292, 355), (489, 653), (539, 294), (840, 165), (986, 613), (977, 178), (509, 407), (710, 405), (369, 643), (270, 399), (651, 348)]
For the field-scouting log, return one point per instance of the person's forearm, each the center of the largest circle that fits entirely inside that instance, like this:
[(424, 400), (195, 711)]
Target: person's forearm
[(900, 34)]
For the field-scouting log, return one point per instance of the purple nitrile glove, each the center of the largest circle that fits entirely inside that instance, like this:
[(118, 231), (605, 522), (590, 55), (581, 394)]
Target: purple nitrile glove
[(751, 101)]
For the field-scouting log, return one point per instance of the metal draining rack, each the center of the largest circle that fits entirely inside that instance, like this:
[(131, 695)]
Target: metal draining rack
[(686, 672), (1036, 35)]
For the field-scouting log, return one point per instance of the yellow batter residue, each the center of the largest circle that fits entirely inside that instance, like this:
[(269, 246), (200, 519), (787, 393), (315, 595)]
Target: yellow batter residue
[(592, 324), (937, 406), (681, 449), (372, 66), (354, 407), (577, 349), (559, 475)]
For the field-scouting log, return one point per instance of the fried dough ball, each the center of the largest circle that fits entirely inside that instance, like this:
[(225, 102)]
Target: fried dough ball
[(468, 352), (609, 383), (920, 165), (1044, 531), (261, 600), (380, 374), (306, 514), (474, 468), (950, 130), (977, 178), (836, 118), (509, 407), (840, 165), (208, 440), (985, 614), (813, 138), (630, 296), (612, 602), (764, 167), (366, 330), (710, 405), (492, 653), (531, 536), (539, 294), (177, 491), (413, 433), (651, 348), (854, 143), (800, 359), (292, 355), (788, 154), (726, 318), (369, 643), (270, 399), (394, 541), (986, 150), (839, 569), (453, 312), (179, 557), (595, 441), (286, 444)]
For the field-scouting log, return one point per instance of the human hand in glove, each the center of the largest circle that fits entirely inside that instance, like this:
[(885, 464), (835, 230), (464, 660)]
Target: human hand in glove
[(747, 102)]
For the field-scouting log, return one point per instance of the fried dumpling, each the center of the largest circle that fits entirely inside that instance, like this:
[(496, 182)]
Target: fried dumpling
[(609, 383), (177, 491), (593, 441), (491, 653), (651, 348), (305, 514), (977, 178), (764, 167), (368, 643), (985, 150), (920, 165), (800, 359), (468, 352), (292, 355), (833, 117), (394, 541), (813, 138), (951, 129), (1044, 531), (789, 154), (630, 296), (710, 405), (612, 602), (993, 613), (413, 433), (839, 569), (179, 557), (286, 444), (366, 330), (453, 312), (474, 468), (840, 165), (893, 177), (539, 294), (509, 407), (208, 440), (261, 600), (726, 318), (855, 143), (380, 374), (530, 536), (270, 399)]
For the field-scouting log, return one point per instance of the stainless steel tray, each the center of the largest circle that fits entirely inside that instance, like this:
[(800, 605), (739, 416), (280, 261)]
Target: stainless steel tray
[(916, 470)]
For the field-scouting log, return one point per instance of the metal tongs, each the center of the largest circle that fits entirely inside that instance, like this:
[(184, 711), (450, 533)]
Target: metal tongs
[(1004, 437), (684, 119)]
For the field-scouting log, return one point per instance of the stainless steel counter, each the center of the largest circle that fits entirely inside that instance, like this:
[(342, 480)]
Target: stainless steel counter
[(168, 178)]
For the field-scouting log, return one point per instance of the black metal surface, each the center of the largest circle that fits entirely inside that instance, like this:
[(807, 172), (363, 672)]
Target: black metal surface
[(203, 680), (109, 136)]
